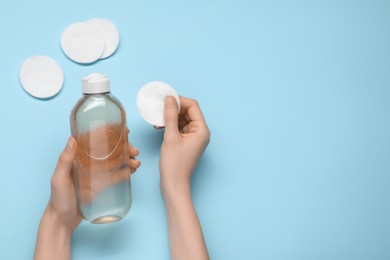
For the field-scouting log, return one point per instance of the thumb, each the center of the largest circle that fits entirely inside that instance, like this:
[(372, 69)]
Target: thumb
[(171, 117), (65, 161)]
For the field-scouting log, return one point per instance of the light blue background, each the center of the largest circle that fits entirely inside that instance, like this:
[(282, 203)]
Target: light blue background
[(296, 94)]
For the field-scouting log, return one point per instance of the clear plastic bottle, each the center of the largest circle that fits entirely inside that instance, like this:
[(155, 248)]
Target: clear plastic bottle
[(102, 173)]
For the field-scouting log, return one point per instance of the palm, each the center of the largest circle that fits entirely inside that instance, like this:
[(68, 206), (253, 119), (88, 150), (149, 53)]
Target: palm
[(63, 200)]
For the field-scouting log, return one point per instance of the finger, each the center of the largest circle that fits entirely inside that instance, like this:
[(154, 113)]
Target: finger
[(182, 122), (65, 161), (191, 110), (185, 129), (133, 163), (133, 152), (171, 117)]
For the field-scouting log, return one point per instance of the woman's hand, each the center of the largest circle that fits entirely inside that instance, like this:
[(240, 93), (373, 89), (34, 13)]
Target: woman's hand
[(61, 216), (185, 139), (62, 201)]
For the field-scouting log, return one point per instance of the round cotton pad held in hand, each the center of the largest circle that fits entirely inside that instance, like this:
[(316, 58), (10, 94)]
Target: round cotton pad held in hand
[(110, 34), (151, 99), (82, 43), (41, 77)]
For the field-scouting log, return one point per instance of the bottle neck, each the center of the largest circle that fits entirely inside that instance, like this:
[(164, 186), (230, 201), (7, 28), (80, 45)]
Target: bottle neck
[(97, 94)]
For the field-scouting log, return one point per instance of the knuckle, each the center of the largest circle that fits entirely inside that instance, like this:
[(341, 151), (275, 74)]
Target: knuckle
[(170, 116), (169, 106), (63, 158), (195, 102), (206, 131), (206, 134)]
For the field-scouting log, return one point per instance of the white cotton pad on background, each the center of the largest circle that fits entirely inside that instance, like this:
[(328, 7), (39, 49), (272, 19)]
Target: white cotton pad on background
[(41, 76), (110, 34), (151, 99), (82, 42)]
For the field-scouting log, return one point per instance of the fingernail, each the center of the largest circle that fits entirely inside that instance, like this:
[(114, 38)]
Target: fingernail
[(70, 143), (169, 100)]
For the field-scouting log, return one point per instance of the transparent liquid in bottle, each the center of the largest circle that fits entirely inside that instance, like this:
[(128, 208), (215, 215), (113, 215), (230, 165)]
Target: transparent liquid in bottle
[(101, 167)]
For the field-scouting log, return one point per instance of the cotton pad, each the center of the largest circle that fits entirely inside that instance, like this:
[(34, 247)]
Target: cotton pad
[(151, 99), (110, 34), (82, 42), (41, 76)]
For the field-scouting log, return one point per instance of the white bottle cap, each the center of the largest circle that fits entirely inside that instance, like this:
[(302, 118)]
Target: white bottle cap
[(96, 83)]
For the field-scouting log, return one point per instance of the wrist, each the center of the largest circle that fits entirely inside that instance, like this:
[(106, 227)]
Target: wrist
[(51, 218), (54, 238), (175, 191)]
